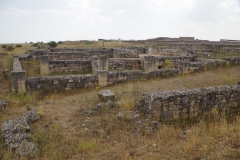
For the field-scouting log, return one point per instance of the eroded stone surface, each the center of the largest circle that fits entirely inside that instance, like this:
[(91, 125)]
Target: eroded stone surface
[(106, 95), (27, 149), (14, 131), (190, 103), (31, 116)]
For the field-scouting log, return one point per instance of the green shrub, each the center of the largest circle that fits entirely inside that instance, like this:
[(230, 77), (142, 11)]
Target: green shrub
[(168, 63), (59, 42), (4, 46), (19, 45), (88, 42), (52, 44), (10, 48)]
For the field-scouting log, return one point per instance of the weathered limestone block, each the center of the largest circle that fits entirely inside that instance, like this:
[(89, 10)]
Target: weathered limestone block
[(14, 131), (106, 95)]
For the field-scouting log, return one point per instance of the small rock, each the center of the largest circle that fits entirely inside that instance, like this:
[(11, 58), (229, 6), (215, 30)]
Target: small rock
[(106, 95), (98, 106), (129, 115), (2, 105), (31, 116), (109, 103)]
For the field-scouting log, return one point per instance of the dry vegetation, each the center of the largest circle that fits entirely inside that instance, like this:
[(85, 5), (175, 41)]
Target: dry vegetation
[(61, 131)]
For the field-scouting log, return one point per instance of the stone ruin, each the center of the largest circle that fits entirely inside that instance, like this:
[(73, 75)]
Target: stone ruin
[(105, 66), (16, 134), (191, 103)]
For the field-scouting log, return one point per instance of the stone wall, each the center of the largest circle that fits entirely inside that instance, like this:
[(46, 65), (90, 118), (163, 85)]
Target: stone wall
[(157, 62), (124, 64), (48, 84), (124, 76), (134, 75), (102, 78), (172, 105), (70, 66), (18, 77), (233, 60), (72, 54), (86, 53), (125, 53)]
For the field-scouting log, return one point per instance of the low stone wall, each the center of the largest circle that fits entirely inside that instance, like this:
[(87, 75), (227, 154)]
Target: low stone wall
[(125, 53), (70, 66), (18, 77), (124, 76), (134, 75), (233, 60), (72, 54), (102, 78), (60, 83), (124, 64), (172, 105), (156, 62)]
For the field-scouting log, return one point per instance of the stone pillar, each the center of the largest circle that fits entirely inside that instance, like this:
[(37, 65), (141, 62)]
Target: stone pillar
[(102, 78), (44, 65), (103, 63), (18, 81), (149, 63), (184, 67), (149, 51)]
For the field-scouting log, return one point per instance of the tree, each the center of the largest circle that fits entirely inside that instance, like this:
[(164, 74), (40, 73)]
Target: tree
[(52, 44)]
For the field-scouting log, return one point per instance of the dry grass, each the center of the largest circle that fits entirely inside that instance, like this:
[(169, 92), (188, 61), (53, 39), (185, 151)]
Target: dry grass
[(18, 50), (60, 133)]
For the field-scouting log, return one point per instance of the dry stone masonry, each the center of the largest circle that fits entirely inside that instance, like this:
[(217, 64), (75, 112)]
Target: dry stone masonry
[(190, 103)]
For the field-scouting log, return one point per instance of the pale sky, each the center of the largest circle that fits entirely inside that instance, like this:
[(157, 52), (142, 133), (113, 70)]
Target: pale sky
[(59, 20)]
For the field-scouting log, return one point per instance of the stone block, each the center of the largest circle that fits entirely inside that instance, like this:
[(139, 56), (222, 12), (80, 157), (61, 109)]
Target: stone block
[(106, 95)]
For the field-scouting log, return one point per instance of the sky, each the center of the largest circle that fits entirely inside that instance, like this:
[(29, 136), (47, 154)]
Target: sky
[(59, 20)]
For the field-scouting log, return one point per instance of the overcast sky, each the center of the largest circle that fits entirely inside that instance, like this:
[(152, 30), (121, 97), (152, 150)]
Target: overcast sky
[(45, 20)]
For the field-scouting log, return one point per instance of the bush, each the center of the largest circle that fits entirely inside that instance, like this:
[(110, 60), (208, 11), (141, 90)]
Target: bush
[(18, 45), (4, 46), (52, 44), (59, 42), (35, 45), (88, 42), (10, 48)]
